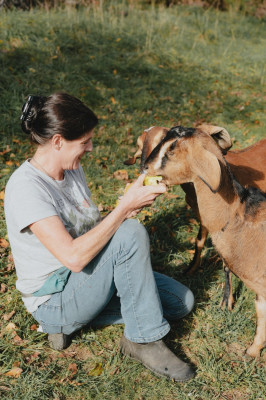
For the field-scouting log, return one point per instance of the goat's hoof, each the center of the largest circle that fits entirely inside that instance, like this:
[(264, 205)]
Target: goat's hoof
[(190, 269)]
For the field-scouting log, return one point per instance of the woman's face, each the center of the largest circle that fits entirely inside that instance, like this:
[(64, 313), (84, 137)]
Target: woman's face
[(74, 150)]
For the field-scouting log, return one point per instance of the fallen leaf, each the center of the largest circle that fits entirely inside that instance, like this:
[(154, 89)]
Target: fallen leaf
[(16, 364), (113, 100), (97, 370), (11, 326), (32, 357), (17, 339), (3, 288), (34, 327), (7, 150), (8, 316), (73, 369), (121, 174), (2, 195), (14, 372), (4, 243), (9, 162)]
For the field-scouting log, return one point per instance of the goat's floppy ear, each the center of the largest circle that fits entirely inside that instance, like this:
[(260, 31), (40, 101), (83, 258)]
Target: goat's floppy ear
[(207, 167), (220, 135), (140, 142)]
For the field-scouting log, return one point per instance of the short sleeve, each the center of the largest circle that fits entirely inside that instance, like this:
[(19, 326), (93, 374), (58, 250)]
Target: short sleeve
[(28, 202)]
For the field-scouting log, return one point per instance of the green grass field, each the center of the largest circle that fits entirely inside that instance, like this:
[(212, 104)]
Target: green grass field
[(135, 67)]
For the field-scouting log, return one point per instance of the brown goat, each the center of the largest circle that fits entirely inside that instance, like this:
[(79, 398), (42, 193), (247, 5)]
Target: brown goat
[(234, 216), (248, 166)]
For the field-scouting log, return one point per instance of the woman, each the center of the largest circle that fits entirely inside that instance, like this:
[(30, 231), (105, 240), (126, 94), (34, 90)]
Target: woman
[(75, 268)]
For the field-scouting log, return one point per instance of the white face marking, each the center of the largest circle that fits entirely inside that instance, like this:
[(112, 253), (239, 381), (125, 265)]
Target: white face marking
[(161, 154)]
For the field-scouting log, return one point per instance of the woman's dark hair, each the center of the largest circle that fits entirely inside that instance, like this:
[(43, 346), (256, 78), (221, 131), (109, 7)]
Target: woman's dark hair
[(43, 117)]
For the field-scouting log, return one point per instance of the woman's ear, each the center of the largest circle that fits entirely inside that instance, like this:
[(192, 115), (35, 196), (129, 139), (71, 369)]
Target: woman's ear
[(57, 141), (207, 167)]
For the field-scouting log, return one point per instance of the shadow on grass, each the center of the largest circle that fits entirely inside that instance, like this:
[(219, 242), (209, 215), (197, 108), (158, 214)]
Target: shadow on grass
[(98, 64)]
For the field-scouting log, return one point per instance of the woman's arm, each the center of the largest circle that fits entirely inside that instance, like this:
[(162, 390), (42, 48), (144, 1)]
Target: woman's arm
[(75, 254)]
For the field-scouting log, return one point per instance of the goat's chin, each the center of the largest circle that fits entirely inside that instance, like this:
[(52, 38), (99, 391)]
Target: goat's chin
[(166, 182), (169, 183)]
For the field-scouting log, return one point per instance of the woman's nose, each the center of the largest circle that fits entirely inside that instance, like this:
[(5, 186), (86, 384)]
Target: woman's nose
[(89, 146)]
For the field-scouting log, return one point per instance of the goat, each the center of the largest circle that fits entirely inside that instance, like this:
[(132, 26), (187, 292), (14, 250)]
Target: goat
[(234, 216), (248, 166)]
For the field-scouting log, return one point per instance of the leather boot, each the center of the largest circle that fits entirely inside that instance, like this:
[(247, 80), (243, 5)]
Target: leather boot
[(158, 358), (58, 341)]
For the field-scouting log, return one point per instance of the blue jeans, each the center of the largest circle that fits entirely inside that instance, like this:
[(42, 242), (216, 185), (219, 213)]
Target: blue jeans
[(118, 286)]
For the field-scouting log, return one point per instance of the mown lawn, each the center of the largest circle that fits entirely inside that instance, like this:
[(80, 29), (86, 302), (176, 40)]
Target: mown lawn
[(134, 67)]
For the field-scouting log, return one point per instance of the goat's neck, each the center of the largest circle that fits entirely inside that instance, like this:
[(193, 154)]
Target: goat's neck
[(216, 209)]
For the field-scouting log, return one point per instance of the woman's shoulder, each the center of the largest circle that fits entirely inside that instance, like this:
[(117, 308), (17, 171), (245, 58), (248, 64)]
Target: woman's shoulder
[(23, 178), (19, 174)]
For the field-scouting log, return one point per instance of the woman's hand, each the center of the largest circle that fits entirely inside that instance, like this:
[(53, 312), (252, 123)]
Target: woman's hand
[(139, 196), (76, 253)]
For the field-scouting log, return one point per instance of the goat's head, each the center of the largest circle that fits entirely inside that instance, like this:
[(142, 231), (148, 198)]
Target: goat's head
[(154, 135), (184, 155), (147, 142)]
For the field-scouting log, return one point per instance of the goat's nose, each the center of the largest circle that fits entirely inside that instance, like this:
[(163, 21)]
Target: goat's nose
[(144, 170)]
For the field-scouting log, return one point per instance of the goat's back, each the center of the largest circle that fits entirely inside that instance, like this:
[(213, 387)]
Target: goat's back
[(249, 165)]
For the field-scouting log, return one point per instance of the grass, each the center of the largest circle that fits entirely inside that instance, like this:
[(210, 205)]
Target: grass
[(135, 67)]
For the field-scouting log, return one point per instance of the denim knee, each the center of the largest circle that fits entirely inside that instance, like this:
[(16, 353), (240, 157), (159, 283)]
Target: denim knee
[(131, 230), (178, 312)]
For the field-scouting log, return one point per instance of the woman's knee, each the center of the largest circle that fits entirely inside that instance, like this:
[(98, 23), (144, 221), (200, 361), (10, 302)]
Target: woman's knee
[(131, 230), (177, 299), (180, 305)]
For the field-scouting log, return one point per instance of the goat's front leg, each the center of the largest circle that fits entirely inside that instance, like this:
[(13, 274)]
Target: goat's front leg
[(199, 244), (228, 298), (259, 341)]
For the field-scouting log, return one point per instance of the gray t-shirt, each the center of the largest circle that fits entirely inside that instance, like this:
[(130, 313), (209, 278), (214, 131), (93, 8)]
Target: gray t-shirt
[(30, 196)]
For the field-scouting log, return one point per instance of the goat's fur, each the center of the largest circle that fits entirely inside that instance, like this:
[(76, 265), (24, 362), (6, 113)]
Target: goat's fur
[(248, 166), (234, 216)]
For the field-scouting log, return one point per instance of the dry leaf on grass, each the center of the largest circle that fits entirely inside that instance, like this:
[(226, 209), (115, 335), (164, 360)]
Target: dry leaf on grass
[(11, 327), (97, 370), (3, 288), (7, 317), (121, 174), (4, 243), (17, 339), (73, 369), (14, 372)]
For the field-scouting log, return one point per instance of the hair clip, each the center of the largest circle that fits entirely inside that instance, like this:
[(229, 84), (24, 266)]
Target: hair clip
[(26, 113)]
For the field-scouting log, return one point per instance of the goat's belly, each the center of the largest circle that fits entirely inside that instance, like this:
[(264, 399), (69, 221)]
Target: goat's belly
[(245, 256)]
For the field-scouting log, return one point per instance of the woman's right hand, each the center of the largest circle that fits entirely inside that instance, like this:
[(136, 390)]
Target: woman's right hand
[(139, 196)]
